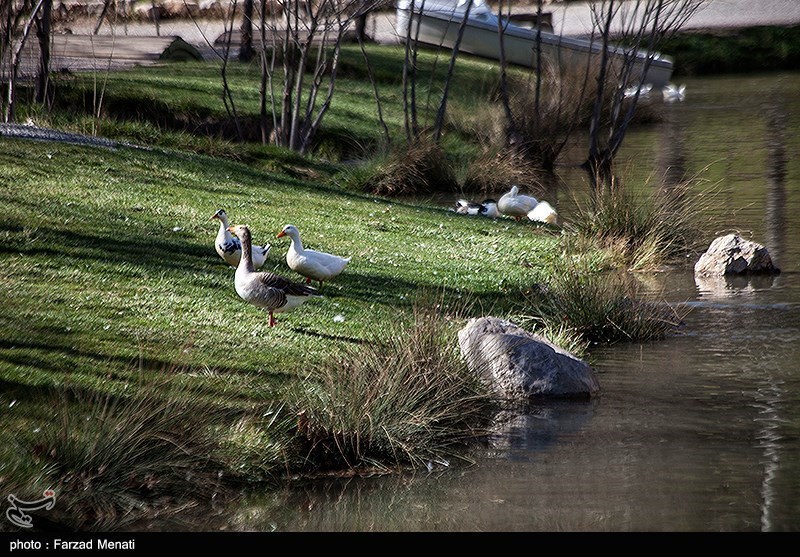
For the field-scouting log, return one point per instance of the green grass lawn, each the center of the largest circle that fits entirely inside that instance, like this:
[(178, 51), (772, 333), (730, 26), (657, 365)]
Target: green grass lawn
[(109, 266)]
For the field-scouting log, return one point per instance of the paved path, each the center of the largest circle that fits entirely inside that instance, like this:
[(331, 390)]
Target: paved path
[(569, 18), (574, 18)]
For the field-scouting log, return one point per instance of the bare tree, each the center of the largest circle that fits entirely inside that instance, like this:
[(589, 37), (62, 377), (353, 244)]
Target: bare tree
[(306, 39), (544, 110), (440, 114), (640, 26), (410, 34), (27, 12)]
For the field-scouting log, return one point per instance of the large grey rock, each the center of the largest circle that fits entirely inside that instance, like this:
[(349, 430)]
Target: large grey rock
[(520, 365), (733, 255)]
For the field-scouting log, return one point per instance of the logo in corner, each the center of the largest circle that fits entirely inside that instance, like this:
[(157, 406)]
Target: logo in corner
[(16, 513)]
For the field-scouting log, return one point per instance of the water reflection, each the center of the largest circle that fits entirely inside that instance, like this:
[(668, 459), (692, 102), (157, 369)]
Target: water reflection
[(671, 158), (520, 433), (777, 161), (732, 286)]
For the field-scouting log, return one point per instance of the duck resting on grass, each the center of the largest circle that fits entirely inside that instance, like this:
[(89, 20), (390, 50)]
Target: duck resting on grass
[(314, 265), (268, 291), (229, 247), (515, 204), (543, 212), (487, 208)]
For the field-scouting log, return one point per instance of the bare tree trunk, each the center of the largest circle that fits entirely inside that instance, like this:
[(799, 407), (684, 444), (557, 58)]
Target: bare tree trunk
[(408, 78), (439, 123), (265, 74), (511, 126), (16, 58), (227, 95), (289, 54), (157, 17), (246, 51), (42, 93), (374, 84), (100, 19), (597, 166)]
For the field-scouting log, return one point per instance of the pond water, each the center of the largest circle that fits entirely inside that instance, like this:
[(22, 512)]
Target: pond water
[(699, 432)]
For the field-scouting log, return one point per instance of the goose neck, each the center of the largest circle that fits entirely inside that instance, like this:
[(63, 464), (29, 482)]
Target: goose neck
[(247, 254), (297, 243)]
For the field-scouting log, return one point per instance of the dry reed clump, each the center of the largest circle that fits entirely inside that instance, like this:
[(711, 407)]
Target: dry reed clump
[(417, 168), (643, 231), (588, 306), (404, 399), (493, 172), (116, 459)]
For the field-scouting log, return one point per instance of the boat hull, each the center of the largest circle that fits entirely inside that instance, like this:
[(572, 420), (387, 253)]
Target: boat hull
[(524, 46)]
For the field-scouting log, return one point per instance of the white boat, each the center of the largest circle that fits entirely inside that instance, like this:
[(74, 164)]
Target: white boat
[(438, 22)]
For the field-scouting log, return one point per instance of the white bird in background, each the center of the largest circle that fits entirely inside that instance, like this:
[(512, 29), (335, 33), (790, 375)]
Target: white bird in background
[(488, 208), (268, 291), (229, 247), (674, 93), (644, 90), (316, 265), (543, 212), (515, 204)]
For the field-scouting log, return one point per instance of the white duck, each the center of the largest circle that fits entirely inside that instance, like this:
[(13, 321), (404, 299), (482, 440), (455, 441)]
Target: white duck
[(674, 93), (464, 207), (488, 208), (543, 212), (643, 90), (515, 204), (316, 265), (263, 289), (229, 247)]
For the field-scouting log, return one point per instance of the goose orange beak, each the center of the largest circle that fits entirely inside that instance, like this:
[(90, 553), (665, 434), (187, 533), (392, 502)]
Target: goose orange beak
[(281, 234)]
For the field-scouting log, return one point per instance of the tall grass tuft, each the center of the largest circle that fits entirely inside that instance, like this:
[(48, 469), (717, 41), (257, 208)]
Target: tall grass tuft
[(405, 399), (584, 306), (259, 446), (492, 172), (114, 459), (643, 231), (416, 168)]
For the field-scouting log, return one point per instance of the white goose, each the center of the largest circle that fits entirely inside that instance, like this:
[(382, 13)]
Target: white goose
[(543, 212), (515, 204), (263, 289), (316, 265), (229, 247)]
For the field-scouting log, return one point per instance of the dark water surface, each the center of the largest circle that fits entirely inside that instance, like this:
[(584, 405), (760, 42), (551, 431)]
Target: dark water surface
[(700, 432)]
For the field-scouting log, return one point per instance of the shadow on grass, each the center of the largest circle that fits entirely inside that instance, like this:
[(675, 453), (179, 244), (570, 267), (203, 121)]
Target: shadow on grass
[(59, 356), (154, 252)]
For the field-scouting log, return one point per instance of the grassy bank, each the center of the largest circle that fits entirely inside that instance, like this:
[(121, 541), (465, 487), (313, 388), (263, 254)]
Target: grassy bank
[(724, 51), (110, 275)]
